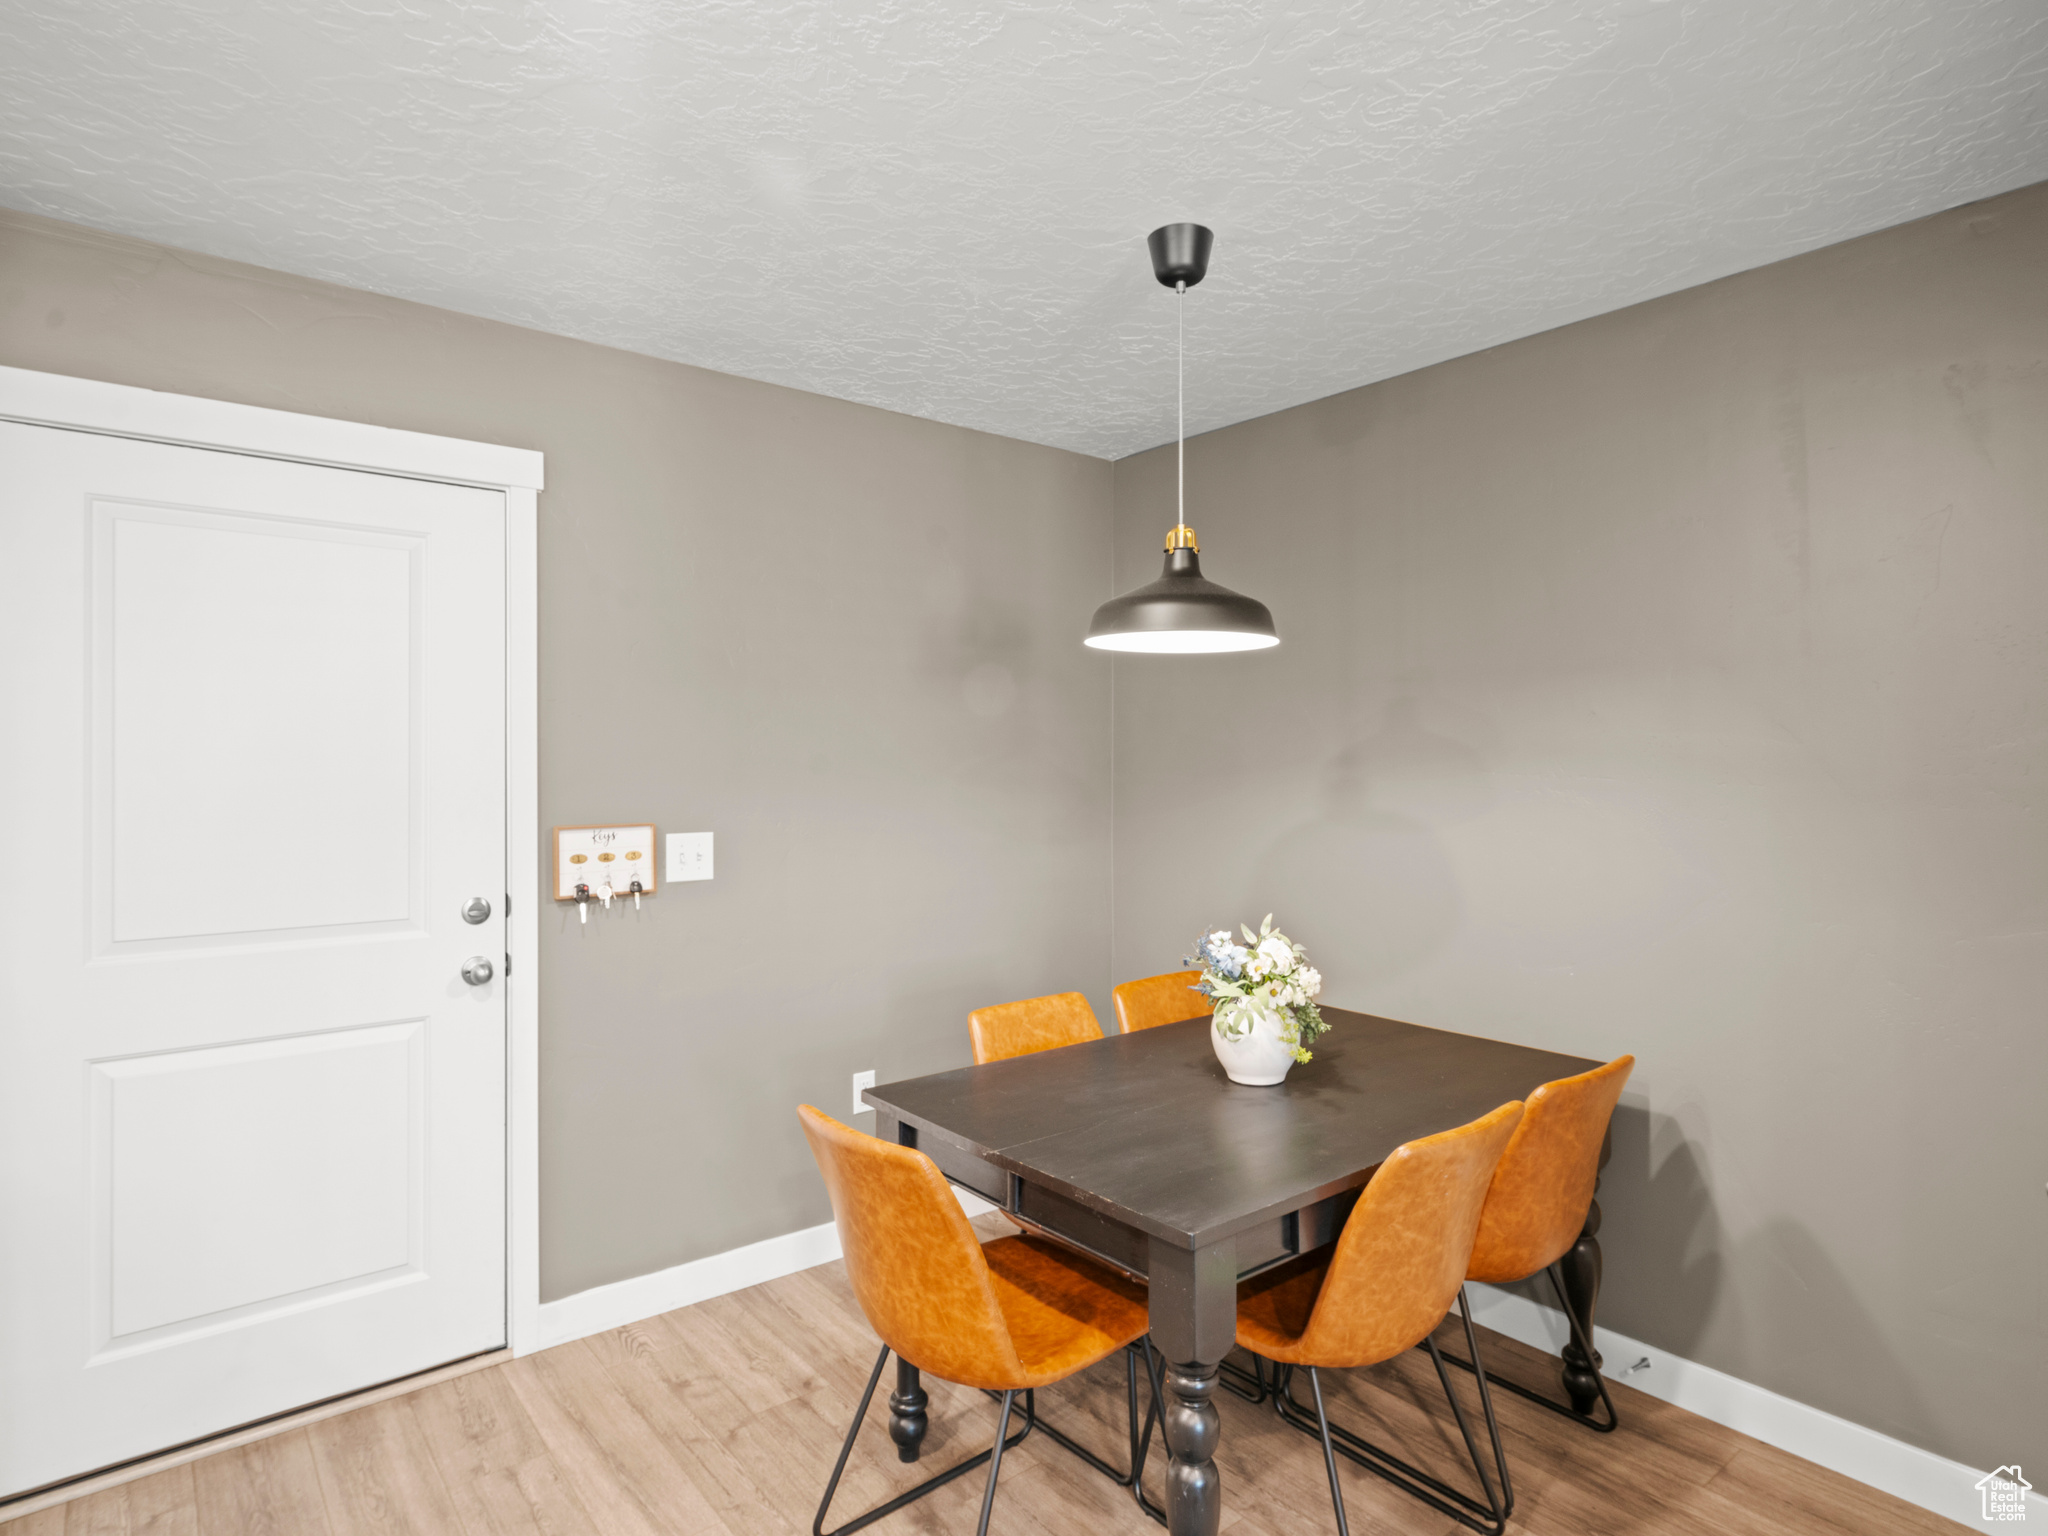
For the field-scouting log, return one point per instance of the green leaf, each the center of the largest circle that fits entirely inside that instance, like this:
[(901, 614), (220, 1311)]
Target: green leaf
[(1311, 1020)]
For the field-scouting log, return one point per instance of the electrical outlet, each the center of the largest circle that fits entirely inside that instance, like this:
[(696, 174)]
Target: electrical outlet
[(862, 1080), (689, 856)]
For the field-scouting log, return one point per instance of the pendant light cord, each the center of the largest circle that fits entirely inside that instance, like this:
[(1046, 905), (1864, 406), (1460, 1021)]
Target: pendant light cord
[(1180, 392)]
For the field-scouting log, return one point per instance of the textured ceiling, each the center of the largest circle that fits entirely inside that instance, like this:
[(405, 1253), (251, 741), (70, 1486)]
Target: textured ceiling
[(940, 208)]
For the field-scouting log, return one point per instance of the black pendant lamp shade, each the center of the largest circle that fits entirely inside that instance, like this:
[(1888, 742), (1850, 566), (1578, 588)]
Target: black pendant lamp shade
[(1182, 613)]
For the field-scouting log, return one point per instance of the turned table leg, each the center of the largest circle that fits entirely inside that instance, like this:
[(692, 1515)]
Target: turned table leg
[(908, 1420), (1194, 1488), (1193, 1301), (1580, 1268)]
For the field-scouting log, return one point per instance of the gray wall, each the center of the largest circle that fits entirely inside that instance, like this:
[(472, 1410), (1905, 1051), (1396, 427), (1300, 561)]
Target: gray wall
[(844, 641), (1670, 683), (1677, 683)]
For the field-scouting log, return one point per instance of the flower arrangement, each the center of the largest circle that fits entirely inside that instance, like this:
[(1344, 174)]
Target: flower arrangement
[(1267, 974)]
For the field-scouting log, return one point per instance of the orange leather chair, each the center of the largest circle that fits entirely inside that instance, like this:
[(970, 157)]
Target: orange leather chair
[(1159, 1000), (1008, 1316), (1383, 1288), (1036, 1024), (1537, 1206)]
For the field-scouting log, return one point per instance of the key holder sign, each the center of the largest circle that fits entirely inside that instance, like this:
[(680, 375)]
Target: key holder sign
[(601, 863)]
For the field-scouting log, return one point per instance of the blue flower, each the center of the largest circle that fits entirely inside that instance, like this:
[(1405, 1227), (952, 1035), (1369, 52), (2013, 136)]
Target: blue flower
[(1215, 952)]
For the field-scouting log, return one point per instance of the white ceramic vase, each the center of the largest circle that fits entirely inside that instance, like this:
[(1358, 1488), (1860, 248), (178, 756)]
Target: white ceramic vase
[(1258, 1058)]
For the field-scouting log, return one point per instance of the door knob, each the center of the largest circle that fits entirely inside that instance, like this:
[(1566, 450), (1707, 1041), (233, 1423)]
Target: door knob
[(477, 910), (476, 970)]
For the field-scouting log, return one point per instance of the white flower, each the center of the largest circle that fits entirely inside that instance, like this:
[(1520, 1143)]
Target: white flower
[(1276, 952), (1310, 980)]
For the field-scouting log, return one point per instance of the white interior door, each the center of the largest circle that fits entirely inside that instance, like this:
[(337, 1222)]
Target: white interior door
[(252, 768)]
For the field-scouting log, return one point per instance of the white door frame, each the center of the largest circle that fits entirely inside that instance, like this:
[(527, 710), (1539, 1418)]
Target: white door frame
[(120, 410)]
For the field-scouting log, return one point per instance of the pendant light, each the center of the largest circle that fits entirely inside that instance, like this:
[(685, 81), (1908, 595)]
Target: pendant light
[(1182, 614)]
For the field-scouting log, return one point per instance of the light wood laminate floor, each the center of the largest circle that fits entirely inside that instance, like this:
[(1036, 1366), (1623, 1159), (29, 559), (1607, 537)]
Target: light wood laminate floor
[(725, 1417)]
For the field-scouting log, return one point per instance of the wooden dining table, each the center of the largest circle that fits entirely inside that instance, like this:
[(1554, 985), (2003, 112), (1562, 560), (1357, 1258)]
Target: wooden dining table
[(1137, 1149)]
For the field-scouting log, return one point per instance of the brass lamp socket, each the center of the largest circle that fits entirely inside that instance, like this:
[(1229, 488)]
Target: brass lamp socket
[(1182, 537)]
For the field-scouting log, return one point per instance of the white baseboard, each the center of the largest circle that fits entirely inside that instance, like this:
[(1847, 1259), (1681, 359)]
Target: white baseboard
[(629, 1301), (1935, 1483)]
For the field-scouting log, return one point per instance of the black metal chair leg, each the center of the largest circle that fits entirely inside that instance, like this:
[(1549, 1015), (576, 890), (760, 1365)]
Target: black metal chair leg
[(1131, 1396), (1500, 1455), (995, 1466), (1236, 1380), (1121, 1479), (1140, 1445), (1004, 1441), (1488, 1518), (1315, 1383), (1247, 1384), (1495, 1507), (846, 1449), (1579, 1332), (1152, 1376), (1566, 1410)]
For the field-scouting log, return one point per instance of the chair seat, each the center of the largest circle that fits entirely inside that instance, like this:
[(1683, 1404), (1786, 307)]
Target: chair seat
[(1273, 1309), (1064, 1311)]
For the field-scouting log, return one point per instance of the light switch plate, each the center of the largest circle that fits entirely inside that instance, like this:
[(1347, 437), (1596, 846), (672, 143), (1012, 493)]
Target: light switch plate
[(862, 1080), (689, 856)]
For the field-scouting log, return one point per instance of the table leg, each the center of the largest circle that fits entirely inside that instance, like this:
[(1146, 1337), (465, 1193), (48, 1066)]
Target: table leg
[(907, 1404), (1194, 1488), (907, 1418), (1193, 1302), (1580, 1267)]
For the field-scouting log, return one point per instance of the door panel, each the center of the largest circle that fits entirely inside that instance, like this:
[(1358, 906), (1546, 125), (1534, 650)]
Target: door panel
[(312, 727), (251, 1118), (240, 1178)]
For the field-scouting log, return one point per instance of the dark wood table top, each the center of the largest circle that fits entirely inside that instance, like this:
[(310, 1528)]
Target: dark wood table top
[(1147, 1130)]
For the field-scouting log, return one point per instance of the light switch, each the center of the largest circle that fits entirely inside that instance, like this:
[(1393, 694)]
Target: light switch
[(689, 856)]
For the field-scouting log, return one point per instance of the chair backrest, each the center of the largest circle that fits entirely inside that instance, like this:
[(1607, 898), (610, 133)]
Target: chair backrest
[(1159, 1000), (915, 1263), (1402, 1254), (1545, 1179), (1036, 1024)]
